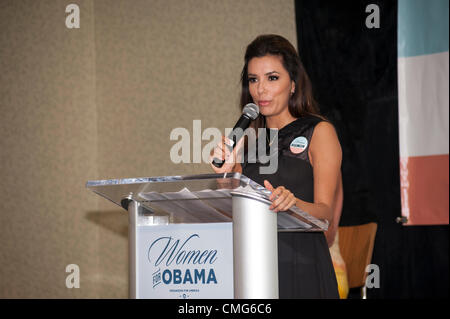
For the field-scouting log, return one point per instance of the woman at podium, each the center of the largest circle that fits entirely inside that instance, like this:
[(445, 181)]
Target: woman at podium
[(309, 161)]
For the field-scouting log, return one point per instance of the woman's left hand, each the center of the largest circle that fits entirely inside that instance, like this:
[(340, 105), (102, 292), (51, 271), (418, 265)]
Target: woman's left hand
[(282, 198)]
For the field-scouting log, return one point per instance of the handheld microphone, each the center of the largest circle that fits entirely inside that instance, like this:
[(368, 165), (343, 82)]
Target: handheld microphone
[(249, 113)]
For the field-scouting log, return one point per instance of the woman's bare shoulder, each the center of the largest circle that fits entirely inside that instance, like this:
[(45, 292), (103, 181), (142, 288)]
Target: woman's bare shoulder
[(325, 141)]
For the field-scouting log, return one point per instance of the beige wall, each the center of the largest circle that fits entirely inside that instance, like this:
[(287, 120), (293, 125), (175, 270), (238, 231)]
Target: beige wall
[(100, 102)]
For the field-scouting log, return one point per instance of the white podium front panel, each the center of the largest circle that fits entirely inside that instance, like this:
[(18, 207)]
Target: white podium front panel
[(185, 261)]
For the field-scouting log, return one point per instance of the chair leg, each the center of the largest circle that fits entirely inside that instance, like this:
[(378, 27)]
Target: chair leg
[(364, 292)]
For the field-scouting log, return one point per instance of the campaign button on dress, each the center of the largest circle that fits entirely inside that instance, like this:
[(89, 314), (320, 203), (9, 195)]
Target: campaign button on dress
[(298, 145)]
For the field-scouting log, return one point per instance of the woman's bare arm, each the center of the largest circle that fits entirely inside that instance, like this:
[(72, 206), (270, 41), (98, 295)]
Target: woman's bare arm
[(326, 156)]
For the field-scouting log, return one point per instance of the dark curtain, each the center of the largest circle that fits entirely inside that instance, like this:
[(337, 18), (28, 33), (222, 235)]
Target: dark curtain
[(354, 74)]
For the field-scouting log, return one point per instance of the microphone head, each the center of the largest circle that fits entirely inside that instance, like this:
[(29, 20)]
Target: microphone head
[(251, 110)]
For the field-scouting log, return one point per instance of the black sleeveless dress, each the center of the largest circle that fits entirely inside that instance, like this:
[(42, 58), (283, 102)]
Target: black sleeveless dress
[(304, 263)]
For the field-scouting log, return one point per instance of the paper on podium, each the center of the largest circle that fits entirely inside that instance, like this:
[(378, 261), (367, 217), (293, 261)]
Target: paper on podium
[(204, 198), (201, 206), (210, 204)]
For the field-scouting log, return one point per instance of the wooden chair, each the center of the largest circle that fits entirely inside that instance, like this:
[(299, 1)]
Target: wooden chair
[(356, 245)]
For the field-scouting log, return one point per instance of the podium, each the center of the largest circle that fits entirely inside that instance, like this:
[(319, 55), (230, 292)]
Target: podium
[(206, 199)]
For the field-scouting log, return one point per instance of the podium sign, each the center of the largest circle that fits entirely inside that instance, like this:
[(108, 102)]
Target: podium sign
[(202, 236), (185, 261)]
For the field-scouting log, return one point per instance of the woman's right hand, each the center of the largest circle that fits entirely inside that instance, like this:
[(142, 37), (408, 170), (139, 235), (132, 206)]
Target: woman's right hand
[(232, 159)]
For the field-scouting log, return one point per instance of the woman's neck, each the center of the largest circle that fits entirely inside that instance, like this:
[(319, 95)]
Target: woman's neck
[(278, 122)]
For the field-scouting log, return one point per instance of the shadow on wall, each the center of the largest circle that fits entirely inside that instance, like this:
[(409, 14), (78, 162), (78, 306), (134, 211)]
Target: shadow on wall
[(115, 221)]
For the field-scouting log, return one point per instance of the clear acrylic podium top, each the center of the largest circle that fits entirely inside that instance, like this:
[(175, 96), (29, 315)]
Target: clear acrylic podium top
[(204, 198)]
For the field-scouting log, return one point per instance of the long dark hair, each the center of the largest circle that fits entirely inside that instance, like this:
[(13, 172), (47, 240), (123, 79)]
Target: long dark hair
[(301, 102)]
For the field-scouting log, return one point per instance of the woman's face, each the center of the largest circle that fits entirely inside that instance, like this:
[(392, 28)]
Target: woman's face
[(270, 85)]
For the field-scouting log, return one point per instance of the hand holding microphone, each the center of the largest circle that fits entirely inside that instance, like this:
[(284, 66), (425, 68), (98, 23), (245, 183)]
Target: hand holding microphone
[(227, 147)]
